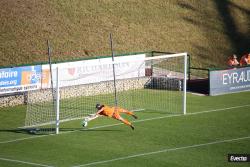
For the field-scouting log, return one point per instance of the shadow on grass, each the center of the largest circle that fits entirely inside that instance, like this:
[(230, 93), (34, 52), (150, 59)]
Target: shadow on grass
[(23, 131), (47, 131), (239, 40), (234, 19)]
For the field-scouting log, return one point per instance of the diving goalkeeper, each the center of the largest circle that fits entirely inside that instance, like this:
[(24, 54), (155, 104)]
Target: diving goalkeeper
[(114, 112)]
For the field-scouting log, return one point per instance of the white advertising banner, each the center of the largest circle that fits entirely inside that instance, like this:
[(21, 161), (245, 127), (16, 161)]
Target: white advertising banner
[(98, 70)]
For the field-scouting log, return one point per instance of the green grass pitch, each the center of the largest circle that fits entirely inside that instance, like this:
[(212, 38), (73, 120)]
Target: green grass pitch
[(212, 128)]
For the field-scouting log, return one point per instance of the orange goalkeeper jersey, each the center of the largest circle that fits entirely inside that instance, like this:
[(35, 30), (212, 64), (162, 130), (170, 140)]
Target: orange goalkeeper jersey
[(108, 111)]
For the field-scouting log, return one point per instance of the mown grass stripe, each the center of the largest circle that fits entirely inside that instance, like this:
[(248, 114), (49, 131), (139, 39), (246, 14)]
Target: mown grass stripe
[(24, 162), (143, 120), (163, 151)]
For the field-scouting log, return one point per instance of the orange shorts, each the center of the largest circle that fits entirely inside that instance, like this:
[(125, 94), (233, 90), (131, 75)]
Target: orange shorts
[(116, 114)]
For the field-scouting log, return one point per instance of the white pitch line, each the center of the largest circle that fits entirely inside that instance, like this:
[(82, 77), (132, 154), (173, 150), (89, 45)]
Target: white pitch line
[(194, 113), (162, 151), (25, 138), (23, 162), (143, 120)]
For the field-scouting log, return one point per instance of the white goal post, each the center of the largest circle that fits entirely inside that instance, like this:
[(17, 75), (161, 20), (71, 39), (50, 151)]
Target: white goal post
[(148, 84)]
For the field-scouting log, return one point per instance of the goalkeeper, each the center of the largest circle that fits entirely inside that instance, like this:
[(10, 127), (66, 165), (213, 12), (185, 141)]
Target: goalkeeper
[(114, 112)]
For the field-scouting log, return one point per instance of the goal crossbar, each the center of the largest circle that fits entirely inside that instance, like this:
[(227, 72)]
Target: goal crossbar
[(151, 58)]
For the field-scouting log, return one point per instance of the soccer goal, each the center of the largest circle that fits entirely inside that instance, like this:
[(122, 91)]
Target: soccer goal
[(137, 83)]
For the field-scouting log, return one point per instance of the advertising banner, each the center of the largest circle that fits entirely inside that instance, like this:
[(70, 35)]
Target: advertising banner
[(18, 79), (98, 70), (229, 81)]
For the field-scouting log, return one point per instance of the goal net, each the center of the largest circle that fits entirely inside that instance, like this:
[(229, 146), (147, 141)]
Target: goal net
[(144, 84)]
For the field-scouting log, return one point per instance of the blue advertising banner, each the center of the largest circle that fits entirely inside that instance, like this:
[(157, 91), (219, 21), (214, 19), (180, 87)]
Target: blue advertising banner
[(18, 79), (229, 81)]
